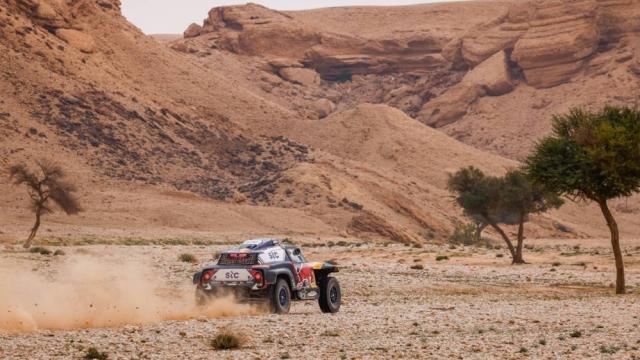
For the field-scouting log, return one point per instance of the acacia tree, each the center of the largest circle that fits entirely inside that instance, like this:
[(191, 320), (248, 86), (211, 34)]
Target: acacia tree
[(520, 198), (479, 196), (46, 184), (593, 156), (506, 200)]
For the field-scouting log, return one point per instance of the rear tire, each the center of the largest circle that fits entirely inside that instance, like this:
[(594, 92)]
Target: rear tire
[(280, 297), (330, 295)]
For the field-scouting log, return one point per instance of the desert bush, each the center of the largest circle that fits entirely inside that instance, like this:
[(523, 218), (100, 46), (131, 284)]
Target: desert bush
[(464, 234), (608, 349), (226, 340), (442, 257), (93, 354), (40, 250), (330, 333), (576, 334), (59, 253), (417, 267), (188, 258)]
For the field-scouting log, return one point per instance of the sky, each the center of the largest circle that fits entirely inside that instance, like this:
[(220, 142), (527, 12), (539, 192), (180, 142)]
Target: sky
[(173, 16)]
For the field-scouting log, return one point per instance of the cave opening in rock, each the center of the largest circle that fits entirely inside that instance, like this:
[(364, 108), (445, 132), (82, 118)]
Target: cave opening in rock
[(342, 77)]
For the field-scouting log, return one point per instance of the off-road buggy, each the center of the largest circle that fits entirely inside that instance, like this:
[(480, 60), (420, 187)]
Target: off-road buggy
[(269, 271)]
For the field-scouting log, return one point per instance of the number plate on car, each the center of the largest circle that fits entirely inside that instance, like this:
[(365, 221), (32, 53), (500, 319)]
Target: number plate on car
[(232, 275)]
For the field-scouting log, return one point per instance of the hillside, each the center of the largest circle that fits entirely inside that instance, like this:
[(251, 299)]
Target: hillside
[(259, 122)]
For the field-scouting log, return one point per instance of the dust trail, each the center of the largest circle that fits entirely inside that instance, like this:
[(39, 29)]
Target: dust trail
[(89, 292)]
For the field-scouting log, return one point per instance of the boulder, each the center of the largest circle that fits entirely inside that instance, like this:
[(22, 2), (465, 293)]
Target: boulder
[(323, 107), (450, 106), (192, 31), (492, 75), (279, 63), (304, 77), (77, 39), (47, 14)]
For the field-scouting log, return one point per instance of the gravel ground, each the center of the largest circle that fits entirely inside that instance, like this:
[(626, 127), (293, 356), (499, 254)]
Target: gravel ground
[(472, 306)]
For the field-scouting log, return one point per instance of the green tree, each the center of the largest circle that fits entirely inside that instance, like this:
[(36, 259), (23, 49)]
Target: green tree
[(592, 156), (519, 198), (46, 184), (479, 197), (508, 200)]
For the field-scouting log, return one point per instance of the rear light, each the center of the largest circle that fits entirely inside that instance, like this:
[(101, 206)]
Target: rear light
[(257, 276), (207, 275)]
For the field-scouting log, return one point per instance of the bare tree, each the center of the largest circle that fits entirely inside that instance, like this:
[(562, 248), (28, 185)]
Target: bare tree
[(46, 184)]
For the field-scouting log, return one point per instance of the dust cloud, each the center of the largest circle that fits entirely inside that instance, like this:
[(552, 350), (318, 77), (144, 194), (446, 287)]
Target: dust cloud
[(91, 293)]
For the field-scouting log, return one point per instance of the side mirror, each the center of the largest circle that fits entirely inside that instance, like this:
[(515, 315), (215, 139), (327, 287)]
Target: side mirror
[(297, 252)]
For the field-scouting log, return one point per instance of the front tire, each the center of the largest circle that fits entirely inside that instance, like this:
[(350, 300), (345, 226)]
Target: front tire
[(280, 297), (330, 295)]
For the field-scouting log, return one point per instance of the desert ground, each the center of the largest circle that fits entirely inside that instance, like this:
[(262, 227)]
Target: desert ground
[(472, 305)]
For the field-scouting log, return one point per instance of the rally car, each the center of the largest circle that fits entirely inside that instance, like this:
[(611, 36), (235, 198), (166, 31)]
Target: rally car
[(269, 271)]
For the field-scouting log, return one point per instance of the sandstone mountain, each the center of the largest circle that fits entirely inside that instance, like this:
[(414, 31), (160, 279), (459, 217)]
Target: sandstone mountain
[(439, 70), (261, 122)]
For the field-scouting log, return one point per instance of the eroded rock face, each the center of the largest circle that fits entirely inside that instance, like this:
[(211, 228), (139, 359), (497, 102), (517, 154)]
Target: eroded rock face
[(561, 36), (491, 78), (542, 43), (255, 30), (551, 40)]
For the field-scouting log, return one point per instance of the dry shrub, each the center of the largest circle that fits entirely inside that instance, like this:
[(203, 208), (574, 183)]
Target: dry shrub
[(227, 340), (188, 258), (94, 354)]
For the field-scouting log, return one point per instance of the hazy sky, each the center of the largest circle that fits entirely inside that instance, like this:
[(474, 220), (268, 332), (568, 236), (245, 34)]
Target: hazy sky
[(173, 16)]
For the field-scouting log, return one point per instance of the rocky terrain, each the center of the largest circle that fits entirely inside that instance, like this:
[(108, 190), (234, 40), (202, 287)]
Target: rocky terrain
[(559, 306)]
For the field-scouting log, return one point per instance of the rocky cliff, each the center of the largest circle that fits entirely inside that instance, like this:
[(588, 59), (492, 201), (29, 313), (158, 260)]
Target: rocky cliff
[(541, 44)]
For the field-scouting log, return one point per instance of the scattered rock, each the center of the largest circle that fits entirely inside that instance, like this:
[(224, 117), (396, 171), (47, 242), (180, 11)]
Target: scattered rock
[(323, 107), (77, 39), (305, 77)]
